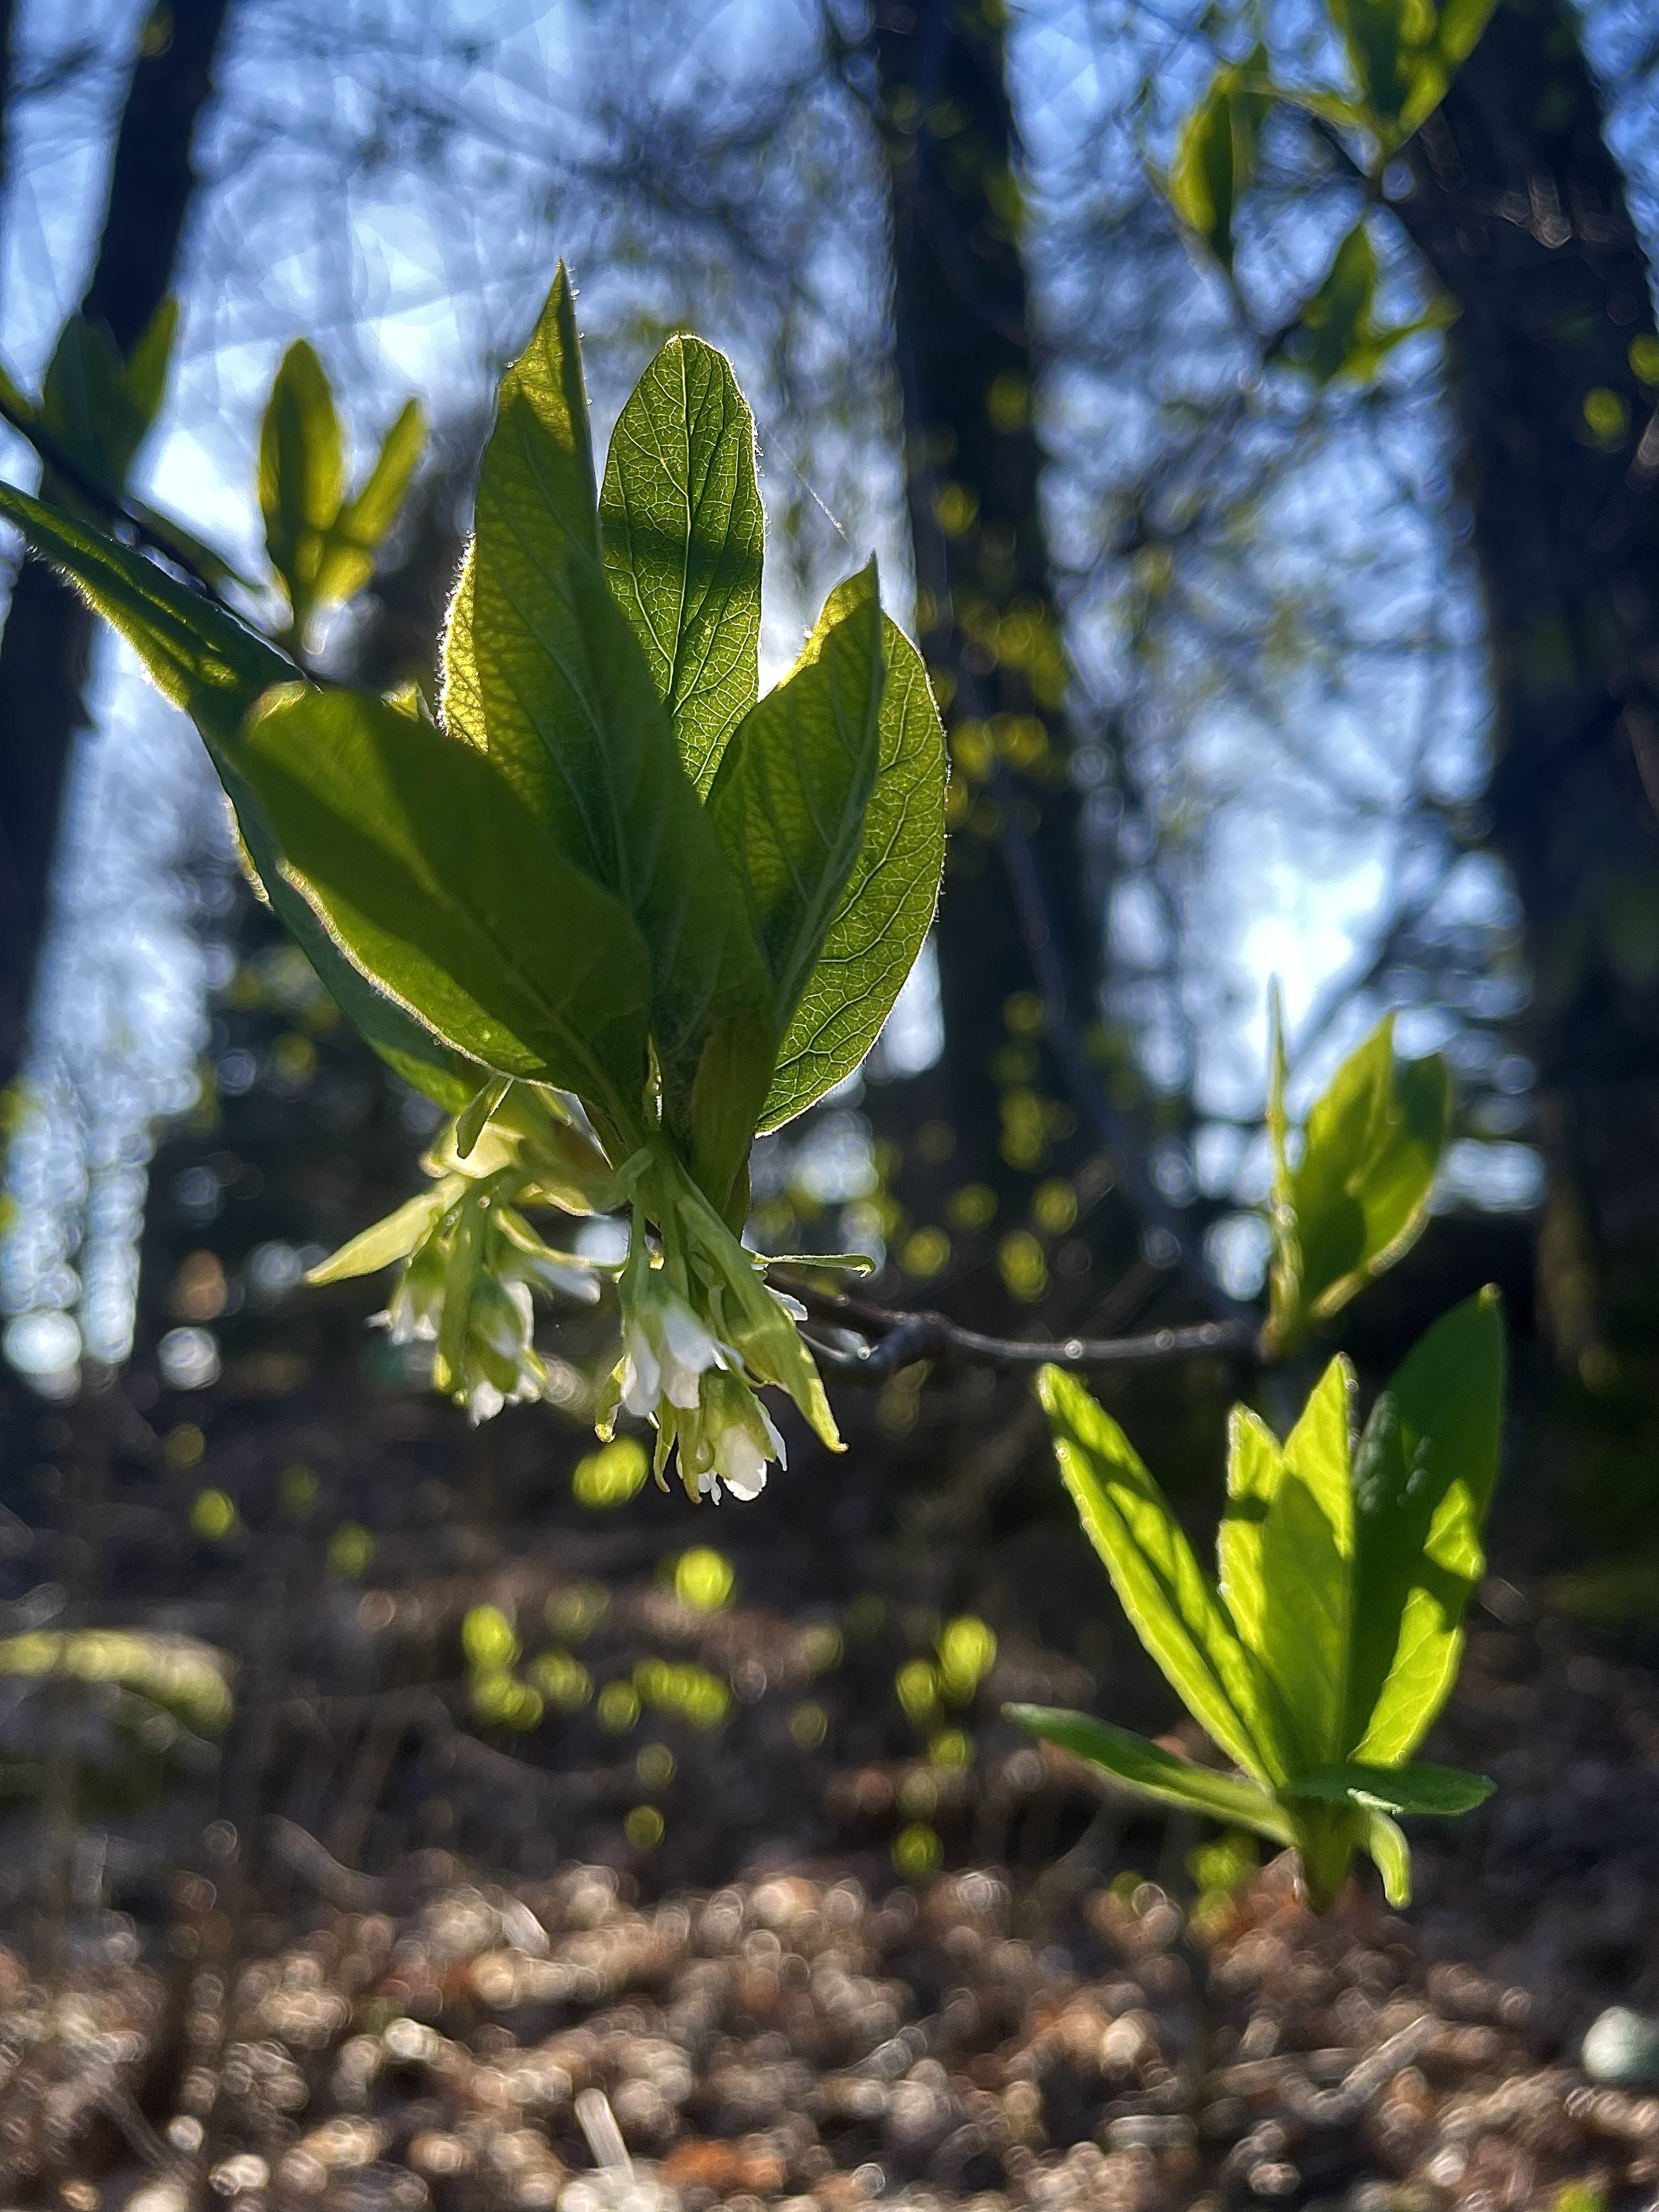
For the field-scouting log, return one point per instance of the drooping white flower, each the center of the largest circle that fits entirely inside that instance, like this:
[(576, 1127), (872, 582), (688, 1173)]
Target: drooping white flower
[(733, 1441), (415, 1306), (666, 1350)]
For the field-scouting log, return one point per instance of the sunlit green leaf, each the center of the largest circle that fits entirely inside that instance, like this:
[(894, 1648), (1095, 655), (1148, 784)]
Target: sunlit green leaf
[(1173, 1607), (685, 535), (301, 475), (788, 803), (361, 526), (321, 544), (1418, 1788), (559, 693), (1392, 1856), (199, 656), (440, 885), (389, 1240), (1358, 1199), (887, 903), (1141, 1766), (1426, 1466)]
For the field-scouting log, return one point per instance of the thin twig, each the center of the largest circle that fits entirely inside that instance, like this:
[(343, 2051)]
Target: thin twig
[(883, 1341)]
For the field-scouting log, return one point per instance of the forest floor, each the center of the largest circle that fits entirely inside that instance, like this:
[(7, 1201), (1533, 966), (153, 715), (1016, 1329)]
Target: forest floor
[(382, 1952)]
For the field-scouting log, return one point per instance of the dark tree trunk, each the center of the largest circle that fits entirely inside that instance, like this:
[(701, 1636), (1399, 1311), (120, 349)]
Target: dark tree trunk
[(1019, 933), (43, 655), (1521, 211)]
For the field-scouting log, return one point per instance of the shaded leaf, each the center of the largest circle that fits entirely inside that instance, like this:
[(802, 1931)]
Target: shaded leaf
[(1215, 154), (1336, 334), (440, 885), (1426, 1470), (1405, 54), (1143, 1767), (887, 904), (685, 535), (1174, 1609), (1419, 1788), (100, 409)]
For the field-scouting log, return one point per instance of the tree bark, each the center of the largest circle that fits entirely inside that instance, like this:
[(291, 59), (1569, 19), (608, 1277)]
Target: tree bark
[(44, 651), (1521, 211)]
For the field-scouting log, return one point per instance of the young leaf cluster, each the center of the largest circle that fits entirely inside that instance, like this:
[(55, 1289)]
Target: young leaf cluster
[(1356, 1198), (1401, 57), (607, 874), (1318, 1659)]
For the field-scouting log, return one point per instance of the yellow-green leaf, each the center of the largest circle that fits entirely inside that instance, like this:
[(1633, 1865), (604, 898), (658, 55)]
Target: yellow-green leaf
[(685, 536), (1174, 1609)]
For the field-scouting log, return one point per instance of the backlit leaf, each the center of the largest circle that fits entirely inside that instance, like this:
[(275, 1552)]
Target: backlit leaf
[(684, 534), (545, 673), (1144, 1768), (788, 803), (1285, 1549), (392, 1239), (1174, 1608), (886, 906), (1359, 1197), (204, 661), (1426, 1466), (440, 885), (301, 475)]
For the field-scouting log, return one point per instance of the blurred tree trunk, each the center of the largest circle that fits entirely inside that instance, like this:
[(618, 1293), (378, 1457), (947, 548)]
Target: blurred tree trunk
[(1521, 212), (43, 653), (1020, 931)]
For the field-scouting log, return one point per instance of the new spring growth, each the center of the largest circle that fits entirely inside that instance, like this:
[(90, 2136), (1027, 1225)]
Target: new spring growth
[(610, 907)]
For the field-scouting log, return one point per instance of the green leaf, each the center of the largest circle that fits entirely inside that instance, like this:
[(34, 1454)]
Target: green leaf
[(389, 1240), (789, 801), (1391, 1855), (199, 656), (545, 674), (440, 886), (1405, 54), (204, 661), (1215, 154), (1426, 1466), (1141, 1766), (1419, 1788), (1285, 1547), (1174, 1608), (1359, 1198), (348, 556), (685, 535), (100, 409), (1336, 334), (886, 907), (302, 475), (470, 1121)]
